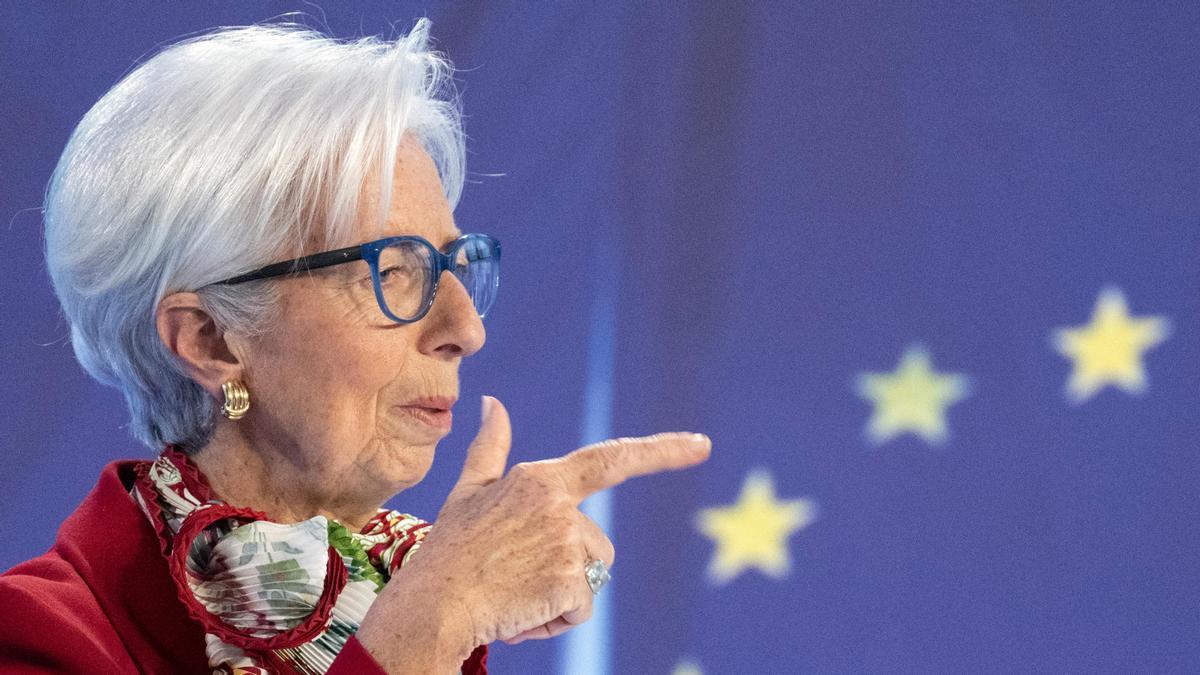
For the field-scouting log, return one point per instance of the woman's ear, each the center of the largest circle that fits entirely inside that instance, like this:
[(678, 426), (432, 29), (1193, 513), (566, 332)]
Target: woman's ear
[(194, 337)]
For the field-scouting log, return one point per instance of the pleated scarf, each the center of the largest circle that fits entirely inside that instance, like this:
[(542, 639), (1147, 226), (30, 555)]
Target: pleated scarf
[(271, 597)]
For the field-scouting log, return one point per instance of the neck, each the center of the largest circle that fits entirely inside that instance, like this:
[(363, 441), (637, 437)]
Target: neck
[(261, 478)]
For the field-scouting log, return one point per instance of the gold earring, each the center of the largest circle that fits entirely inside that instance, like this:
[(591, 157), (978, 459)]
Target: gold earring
[(237, 399)]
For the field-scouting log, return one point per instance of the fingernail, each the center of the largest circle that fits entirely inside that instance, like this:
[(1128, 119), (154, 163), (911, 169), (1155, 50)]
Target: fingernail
[(485, 408), (701, 438)]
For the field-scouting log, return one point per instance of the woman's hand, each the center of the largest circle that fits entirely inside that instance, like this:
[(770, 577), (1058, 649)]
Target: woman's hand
[(505, 558)]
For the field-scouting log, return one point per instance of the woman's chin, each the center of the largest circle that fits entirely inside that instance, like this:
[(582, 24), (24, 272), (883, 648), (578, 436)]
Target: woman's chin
[(404, 463)]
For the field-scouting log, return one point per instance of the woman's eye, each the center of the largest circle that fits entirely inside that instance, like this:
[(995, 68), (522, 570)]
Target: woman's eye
[(395, 274)]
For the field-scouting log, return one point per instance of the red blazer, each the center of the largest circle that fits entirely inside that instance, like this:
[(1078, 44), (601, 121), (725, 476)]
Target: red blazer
[(101, 600)]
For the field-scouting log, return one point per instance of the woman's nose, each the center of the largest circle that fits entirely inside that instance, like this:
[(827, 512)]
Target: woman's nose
[(452, 326)]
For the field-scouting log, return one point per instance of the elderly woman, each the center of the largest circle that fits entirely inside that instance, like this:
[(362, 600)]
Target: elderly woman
[(251, 236)]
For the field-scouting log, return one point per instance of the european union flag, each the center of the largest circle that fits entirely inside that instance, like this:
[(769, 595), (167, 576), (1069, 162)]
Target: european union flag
[(926, 273)]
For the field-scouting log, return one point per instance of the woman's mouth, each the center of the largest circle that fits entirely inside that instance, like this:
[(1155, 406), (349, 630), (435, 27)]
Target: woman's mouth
[(439, 418), (433, 411)]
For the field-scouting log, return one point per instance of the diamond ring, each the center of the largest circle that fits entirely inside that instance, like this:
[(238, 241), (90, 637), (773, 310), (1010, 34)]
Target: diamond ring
[(597, 574)]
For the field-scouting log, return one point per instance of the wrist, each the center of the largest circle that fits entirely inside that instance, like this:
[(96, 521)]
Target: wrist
[(413, 628)]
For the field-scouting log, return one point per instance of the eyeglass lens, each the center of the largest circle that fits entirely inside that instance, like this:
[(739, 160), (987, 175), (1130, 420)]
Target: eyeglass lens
[(406, 275)]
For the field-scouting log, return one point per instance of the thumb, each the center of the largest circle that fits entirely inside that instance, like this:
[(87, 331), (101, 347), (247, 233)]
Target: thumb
[(488, 454)]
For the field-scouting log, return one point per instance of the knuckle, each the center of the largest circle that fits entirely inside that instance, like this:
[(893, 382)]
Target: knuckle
[(583, 613), (530, 479), (522, 472), (610, 552)]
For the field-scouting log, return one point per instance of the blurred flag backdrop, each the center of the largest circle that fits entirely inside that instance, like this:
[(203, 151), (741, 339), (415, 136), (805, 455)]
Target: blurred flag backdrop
[(927, 273)]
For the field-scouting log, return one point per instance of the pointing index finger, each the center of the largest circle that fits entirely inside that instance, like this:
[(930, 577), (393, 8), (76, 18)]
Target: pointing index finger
[(599, 466)]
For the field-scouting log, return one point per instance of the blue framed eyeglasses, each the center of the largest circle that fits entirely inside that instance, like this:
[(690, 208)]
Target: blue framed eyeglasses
[(406, 271)]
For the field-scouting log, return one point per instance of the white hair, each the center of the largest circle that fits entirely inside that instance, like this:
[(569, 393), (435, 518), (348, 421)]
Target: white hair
[(218, 155)]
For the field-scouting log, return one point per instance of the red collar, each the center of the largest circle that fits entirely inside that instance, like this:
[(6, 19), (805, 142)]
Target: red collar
[(112, 546)]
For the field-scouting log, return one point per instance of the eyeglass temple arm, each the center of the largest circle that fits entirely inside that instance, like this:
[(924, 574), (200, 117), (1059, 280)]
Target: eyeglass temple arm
[(308, 262)]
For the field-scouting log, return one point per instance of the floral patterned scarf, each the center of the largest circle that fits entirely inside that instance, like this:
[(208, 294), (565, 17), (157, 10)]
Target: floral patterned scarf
[(272, 598)]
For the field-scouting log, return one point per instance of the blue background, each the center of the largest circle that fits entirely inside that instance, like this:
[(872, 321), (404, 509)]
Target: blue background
[(743, 207)]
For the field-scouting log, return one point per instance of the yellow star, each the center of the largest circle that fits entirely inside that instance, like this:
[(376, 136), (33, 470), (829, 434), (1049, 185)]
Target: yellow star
[(754, 531), (1109, 349), (913, 398)]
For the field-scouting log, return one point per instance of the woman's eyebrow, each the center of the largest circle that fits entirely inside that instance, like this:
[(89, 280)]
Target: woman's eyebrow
[(453, 238)]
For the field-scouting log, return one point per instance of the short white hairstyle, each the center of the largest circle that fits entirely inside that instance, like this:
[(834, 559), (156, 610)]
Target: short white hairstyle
[(218, 155)]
